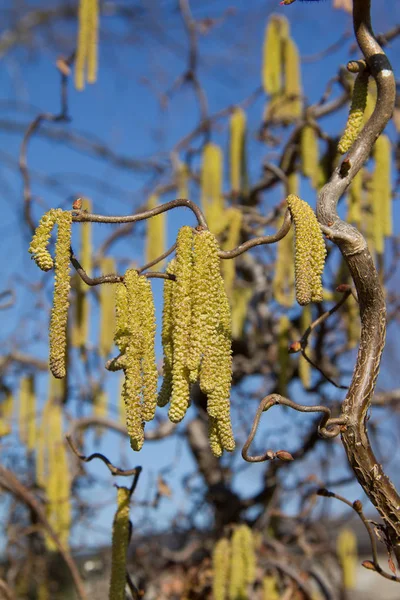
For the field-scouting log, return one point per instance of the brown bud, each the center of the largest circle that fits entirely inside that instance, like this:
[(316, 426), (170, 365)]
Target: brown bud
[(357, 505), (324, 492), (367, 564), (343, 287), (294, 347), (345, 167), (283, 455), (63, 66), (77, 205)]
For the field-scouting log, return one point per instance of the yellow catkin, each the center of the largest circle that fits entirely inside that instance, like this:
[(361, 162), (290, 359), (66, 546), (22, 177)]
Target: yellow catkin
[(355, 200), (272, 58), (352, 320), (119, 547), (41, 238), (155, 236), (304, 365), (241, 297), (87, 44), (214, 437), (237, 581), (149, 366), (234, 218), (310, 154), (220, 566), (249, 557), (133, 381), (270, 588), (284, 326), (371, 100), (27, 417), (181, 310), (107, 302), (6, 411), (182, 175), (310, 251), (59, 313), (58, 482), (355, 119), (292, 105), (283, 281), (100, 404), (347, 553), (166, 338), (80, 314), (93, 41), (237, 156), (382, 183), (212, 200)]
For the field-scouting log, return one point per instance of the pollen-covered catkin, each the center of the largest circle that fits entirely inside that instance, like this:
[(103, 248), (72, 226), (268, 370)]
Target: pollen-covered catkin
[(41, 238), (181, 310), (166, 338), (214, 438), (283, 353), (272, 58), (155, 238), (293, 103), (132, 390), (347, 553), (87, 44), (237, 580), (220, 565), (237, 149), (107, 303), (212, 200), (283, 281), (119, 546), (59, 313), (149, 366), (270, 589), (356, 115), (310, 154), (310, 251), (382, 183)]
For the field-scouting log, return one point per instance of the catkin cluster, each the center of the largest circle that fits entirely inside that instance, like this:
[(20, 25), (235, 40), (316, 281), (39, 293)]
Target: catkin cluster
[(119, 548), (59, 313), (310, 251), (196, 335), (134, 337), (356, 115), (281, 76), (87, 46), (234, 565)]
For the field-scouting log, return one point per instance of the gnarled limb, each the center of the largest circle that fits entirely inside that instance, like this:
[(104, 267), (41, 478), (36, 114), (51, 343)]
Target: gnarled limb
[(368, 471)]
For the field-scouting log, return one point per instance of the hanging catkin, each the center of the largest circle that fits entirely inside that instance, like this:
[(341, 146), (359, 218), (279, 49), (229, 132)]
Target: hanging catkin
[(310, 251), (119, 546), (310, 155), (155, 236), (304, 365), (240, 300), (283, 281), (283, 354), (27, 412), (292, 104), (234, 218), (347, 553), (6, 411), (237, 157), (87, 44), (381, 182), (270, 588), (356, 116), (41, 238), (166, 338), (59, 313), (272, 58), (220, 566), (181, 311), (212, 200), (107, 314), (355, 200)]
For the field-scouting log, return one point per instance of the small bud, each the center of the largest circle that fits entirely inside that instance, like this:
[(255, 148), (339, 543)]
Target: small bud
[(295, 347), (283, 455), (77, 204), (367, 564), (357, 505), (324, 492), (343, 287)]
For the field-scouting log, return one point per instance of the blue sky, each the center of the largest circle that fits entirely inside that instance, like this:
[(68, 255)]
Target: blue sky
[(138, 63)]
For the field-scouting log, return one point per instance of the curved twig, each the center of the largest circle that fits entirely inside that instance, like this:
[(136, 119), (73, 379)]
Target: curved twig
[(358, 508), (328, 427), (112, 468)]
